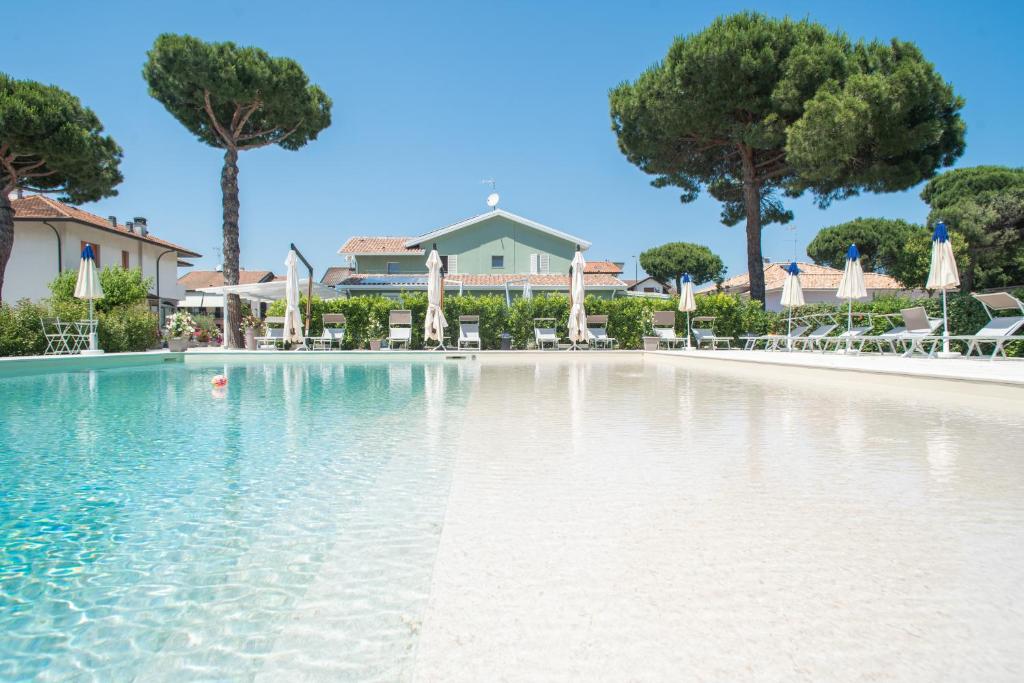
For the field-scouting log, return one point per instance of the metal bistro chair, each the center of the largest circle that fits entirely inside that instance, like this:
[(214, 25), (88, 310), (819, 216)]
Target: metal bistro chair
[(334, 331), (55, 332), (274, 338), (82, 337)]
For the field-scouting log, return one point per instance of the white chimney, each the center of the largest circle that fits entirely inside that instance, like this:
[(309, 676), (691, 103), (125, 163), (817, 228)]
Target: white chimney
[(130, 226), (113, 221), (143, 225)]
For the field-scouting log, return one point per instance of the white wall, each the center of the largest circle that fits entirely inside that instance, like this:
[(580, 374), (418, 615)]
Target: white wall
[(33, 263)]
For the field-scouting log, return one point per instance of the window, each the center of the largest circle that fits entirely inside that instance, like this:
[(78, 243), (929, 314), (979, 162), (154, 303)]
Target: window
[(95, 251), (394, 267), (497, 262), (453, 264), (444, 263), (533, 264), (545, 263), (124, 259)]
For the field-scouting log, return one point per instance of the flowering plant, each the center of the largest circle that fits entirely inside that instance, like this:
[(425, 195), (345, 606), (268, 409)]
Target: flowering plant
[(202, 336), (252, 322), (181, 324), (374, 329)]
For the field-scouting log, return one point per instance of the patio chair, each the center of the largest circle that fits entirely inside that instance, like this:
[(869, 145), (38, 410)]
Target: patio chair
[(334, 331), (664, 323), (849, 337), (999, 329), (469, 332), (705, 333), (545, 334), (816, 337), (56, 334), (772, 342), (918, 330), (399, 329), (274, 338), (597, 332)]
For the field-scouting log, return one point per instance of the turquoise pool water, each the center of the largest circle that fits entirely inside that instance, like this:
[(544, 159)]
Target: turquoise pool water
[(149, 523)]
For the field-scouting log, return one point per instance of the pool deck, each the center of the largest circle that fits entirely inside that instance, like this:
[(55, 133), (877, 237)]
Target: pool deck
[(1001, 371)]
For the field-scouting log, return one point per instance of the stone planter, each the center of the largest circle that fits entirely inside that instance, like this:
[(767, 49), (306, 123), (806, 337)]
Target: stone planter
[(375, 344), (250, 339), (177, 344), (651, 343)]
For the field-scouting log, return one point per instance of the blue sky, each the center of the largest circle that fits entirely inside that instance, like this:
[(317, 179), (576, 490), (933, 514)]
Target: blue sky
[(431, 98)]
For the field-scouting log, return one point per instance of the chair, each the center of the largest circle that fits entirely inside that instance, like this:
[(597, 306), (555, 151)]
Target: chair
[(334, 331), (850, 336), (817, 336), (999, 329), (469, 332), (544, 333), (274, 338), (597, 332), (705, 334), (55, 332), (773, 341), (919, 329), (399, 329), (664, 323)]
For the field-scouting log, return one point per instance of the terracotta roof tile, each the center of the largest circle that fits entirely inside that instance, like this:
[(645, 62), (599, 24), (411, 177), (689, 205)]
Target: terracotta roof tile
[(38, 206), (335, 274), (547, 280), (602, 267), (379, 245), (214, 278), (812, 276)]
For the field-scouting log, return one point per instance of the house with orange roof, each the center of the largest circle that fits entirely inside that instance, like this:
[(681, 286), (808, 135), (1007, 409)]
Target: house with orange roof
[(819, 284), (49, 237), (493, 252)]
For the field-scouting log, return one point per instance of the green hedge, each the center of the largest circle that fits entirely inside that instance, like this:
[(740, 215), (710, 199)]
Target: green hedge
[(629, 318), (122, 328)]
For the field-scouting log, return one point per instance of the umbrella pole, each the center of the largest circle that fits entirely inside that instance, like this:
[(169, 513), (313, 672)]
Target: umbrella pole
[(849, 324), (945, 324), (687, 330), (92, 331), (789, 330)]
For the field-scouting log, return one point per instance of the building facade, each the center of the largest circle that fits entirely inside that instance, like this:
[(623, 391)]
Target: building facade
[(494, 252), (202, 303), (49, 237)]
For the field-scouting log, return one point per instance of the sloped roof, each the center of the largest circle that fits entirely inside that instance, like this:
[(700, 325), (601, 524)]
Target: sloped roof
[(40, 207), (215, 278), (382, 246), (433, 234), (336, 274), (602, 267), (812, 276), (551, 280)]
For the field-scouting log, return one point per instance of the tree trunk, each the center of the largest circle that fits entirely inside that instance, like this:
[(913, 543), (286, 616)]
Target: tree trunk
[(6, 236), (232, 304), (752, 204), (679, 284)]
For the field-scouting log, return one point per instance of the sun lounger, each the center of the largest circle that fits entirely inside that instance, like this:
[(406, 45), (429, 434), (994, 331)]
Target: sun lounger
[(334, 332), (469, 332), (399, 329), (999, 330), (597, 332), (274, 337), (545, 334), (664, 323), (920, 330), (772, 342), (704, 333), (846, 338), (816, 337)]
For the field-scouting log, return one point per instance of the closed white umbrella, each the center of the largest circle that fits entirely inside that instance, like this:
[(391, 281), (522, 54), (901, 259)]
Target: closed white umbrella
[(792, 294), (292, 316), (434, 324), (527, 289), (943, 275), (851, 287), (687, 303), (88, 287), (577, 313)]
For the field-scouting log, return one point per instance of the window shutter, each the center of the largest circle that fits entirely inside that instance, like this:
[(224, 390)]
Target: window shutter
[(545, 263), (533, 264), (453, 264)]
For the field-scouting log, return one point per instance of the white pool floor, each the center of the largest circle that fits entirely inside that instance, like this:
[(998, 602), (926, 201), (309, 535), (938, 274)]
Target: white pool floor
[(654, 520)]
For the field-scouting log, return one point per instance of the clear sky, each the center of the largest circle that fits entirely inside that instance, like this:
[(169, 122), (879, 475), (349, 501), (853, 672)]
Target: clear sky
[(430, 98)]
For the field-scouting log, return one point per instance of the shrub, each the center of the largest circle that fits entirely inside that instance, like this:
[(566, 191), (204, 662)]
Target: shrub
[(128, 328), (21, 333), (120, 287)]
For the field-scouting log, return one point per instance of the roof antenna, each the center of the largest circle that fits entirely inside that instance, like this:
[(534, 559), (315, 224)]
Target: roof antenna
[(493, 198)]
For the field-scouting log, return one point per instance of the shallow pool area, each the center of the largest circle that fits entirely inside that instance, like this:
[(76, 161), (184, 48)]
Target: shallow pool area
[(557, 517)]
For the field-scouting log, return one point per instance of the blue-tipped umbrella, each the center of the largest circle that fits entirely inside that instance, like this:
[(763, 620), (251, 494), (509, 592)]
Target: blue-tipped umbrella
[(88, 287), (792, 293), (851, 286), (687, 303), (943, 274)]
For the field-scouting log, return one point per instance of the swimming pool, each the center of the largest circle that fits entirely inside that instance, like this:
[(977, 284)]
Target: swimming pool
[(568, 516)]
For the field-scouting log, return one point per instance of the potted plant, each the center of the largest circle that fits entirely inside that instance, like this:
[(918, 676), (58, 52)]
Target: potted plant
[(202, 338), (180, 328), (252, 326), (375, 333)]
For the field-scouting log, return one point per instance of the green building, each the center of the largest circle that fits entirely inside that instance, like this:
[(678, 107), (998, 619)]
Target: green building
[(495, 252)]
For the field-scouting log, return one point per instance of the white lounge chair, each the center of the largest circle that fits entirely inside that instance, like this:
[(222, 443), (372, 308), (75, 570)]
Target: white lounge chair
[(274, 337), (545, 334), (848, 338), (919, 330), (334, 332), (772, 342), (597, 332), (664, 323), (469, 332), (705, 333), (811, 341), (399, 329), (999, 329)]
